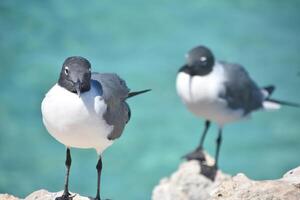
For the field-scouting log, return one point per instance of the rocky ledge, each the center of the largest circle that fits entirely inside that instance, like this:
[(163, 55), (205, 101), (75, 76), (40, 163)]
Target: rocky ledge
[(41, 195), (193, 182)]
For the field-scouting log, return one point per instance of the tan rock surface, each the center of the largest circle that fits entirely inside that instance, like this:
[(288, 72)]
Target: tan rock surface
[(189, 183), (7, 197), (41, 195), (45, 195), (241, 187)]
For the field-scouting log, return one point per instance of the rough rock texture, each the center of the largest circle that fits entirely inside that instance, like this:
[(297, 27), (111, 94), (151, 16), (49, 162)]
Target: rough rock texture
[(41, 195), (241, 187), (187, 183), (7, 197), (45, 195)]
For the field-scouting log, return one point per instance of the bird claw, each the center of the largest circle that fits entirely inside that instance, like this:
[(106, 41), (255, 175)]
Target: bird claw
[(66, 196), (198, 154), (209, 171)]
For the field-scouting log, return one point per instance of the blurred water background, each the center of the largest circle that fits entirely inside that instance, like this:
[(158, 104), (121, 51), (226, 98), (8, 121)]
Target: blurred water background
[(144, 42)]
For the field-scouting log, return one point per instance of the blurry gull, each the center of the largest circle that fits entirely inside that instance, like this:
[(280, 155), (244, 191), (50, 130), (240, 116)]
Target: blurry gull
[(86, 110), (220, 92)]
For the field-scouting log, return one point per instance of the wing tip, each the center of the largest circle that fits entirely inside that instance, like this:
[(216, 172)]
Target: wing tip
[(132, 94)]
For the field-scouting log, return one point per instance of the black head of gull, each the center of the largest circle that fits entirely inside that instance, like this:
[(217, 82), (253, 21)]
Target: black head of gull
[(200, 61), (75, 75)]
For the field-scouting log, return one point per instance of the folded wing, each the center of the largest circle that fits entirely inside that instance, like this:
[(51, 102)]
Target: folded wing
[(241, 92), (114, 94)]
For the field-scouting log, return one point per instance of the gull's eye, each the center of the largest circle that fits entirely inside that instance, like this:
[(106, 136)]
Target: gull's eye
[(66, 70), (203, 59)]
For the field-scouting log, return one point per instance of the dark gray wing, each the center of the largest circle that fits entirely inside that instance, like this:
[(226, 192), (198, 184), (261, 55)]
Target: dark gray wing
[(114, 94), (240, 90)]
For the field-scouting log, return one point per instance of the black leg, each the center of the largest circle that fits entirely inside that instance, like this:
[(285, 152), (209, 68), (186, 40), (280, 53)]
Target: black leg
[(218, 142), (207, 125), (99, 169), (66, 195), (198, 154)]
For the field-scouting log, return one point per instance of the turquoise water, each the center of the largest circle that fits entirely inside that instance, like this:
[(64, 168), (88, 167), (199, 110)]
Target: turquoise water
[(144, 42)]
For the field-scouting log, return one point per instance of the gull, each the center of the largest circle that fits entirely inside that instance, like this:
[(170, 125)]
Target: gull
[(220, 92), (86, 110)]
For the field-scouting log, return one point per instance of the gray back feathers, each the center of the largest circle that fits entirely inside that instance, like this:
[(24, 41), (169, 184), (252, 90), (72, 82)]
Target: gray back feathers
[(114, 94), (240, 90)]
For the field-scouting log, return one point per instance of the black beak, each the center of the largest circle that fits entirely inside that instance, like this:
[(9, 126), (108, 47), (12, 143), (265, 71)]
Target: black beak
[(78, 87)]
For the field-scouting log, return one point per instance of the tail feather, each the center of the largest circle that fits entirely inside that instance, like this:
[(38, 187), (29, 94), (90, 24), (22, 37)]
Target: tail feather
[(274, 104), (284, 103), (268, 105), (269, 90), (132, 94)]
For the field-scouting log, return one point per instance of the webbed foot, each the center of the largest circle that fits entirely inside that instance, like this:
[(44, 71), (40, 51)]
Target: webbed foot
[(197, 154), (65, 196)]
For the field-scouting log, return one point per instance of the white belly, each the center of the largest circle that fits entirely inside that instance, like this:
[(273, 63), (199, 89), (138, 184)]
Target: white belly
[(76, 122), (201, 96)]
